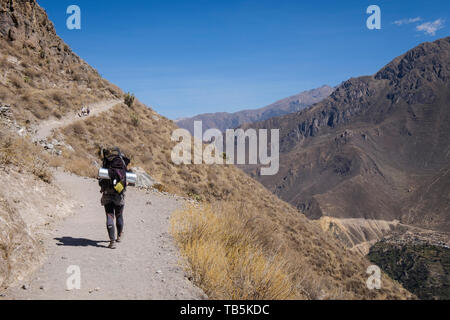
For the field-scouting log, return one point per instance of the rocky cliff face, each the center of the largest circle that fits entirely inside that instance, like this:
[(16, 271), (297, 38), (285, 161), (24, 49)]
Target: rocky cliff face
[(25, 22), (367, 149)]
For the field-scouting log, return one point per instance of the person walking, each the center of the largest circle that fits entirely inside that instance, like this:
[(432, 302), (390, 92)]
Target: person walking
[(113, 192)]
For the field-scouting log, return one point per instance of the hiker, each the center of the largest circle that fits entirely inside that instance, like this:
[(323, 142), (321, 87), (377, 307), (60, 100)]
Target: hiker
[(113, 190), (83, 112)]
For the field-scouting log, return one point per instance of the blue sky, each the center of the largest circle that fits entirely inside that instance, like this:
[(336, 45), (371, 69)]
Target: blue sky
[(188, 57)]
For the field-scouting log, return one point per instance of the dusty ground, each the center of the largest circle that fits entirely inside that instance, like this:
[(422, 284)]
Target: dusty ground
[(145, 266)]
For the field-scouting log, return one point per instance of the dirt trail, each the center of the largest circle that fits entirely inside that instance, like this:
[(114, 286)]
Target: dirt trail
[(145, 266), (45, 128)]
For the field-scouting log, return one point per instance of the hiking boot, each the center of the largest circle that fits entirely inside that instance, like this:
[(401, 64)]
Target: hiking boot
[(112, 245), (119, 238)]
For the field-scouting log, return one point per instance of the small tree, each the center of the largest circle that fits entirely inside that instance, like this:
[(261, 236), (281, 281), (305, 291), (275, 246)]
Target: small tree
[(129, 99)]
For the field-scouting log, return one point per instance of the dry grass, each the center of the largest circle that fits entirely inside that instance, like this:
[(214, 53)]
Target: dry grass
[(19, 152), (233, 253), (4, 92), (18, 250), (225, 261), (16, 81), (82, 166)]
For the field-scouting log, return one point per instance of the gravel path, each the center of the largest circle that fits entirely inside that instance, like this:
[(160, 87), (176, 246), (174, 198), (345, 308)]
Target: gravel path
[(45, 128), (145, 266)]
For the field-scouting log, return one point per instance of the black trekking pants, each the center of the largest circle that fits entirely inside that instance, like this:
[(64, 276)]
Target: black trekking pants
[(114, 211)]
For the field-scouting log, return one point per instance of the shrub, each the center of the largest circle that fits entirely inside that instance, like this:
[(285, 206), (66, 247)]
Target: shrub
[(57, 96), (31, 73), (41, 171), (57, 114), (195, 197), (7, 154), (129, 99), (16, 81), (160, 187), (76, 77), (3, 92), (134, 119), (78, 128)]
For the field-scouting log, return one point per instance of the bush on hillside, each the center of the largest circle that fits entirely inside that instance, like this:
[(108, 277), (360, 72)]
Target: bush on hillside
[(129, 99)]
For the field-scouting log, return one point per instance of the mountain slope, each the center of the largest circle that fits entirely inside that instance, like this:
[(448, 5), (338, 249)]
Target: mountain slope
[(363, 152), (42, 87), (39, 72), (223, 120)]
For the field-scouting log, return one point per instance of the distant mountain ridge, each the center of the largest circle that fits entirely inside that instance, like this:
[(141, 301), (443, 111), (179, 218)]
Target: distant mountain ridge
[(223, 120)]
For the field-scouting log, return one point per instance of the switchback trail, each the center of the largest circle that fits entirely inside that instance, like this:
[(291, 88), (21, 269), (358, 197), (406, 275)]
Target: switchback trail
[(45, 128), (146, 265)]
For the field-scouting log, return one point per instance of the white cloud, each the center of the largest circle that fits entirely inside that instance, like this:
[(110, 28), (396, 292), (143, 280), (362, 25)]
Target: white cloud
[(430, 28), (407, 21)]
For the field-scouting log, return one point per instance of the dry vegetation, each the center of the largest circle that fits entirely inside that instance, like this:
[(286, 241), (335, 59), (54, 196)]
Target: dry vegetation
[(18, 250), (19, 153), (233, 253), (225, 261)]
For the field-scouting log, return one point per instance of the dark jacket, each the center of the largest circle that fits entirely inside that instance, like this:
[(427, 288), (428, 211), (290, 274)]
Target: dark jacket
[(117, 168)]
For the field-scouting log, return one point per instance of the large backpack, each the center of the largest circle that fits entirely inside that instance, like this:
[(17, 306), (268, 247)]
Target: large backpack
[(116, 163)]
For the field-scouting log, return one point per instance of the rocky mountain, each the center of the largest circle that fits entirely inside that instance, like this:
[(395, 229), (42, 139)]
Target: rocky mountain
[(223, 120), (377, 148)]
